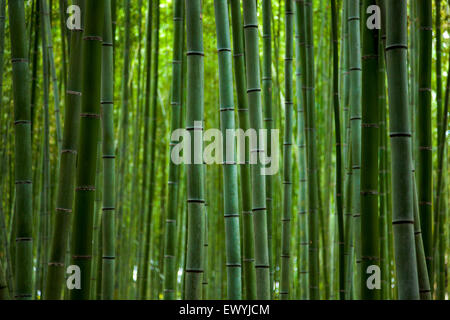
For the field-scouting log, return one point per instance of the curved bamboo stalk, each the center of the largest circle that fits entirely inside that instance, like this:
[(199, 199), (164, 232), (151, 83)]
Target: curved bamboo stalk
[(423, 128), (337, 129), (68, 158)]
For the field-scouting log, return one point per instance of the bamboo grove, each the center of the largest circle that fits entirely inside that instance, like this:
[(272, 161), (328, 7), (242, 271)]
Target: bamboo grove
[(346, 100)]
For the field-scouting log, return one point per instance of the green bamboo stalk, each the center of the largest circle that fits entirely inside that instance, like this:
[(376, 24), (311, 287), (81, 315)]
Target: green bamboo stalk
[(244, 168), (423, 128), (436, 213), (370, 253), (108, 155), (45, 180), (287, 154), (68, 158), (47, 33), (230, 195), (268, 120), (337, 128), (152, 155), (2, 45), (87, 154), (4, 294), (441, 179), (170, 270), (122, 194), (382, 156), (142, 217), (310, 127), (35, 56), (424, 282), (400, 136), (5, 244), (355, 127), (96, 269), (258, 180), (302, 258), (194, 124), (22, 124)]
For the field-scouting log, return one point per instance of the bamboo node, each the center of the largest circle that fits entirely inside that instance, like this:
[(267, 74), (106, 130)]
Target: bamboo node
[(233, 215), (250, 26), (17, 122), (194, 270), (370, 125), (90, 115), (23, 182), (400, 134), (81, 257), (75, 93), (68, 151), (93, 38), (396, 46), (233, 265), (196, 201), (195, 53), (85, 188), (18, 60), (369, 192)]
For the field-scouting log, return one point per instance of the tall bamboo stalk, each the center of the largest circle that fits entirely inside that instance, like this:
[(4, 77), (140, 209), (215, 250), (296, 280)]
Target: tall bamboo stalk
[(244, 168), (302, 206), (47, 34), (68, 158), (370, 253), (170, 248), (423, 128), (194, 124), (287, 153), (310, 127), (400, 134), (122, 194), (231, 206), (258, 180), (108, 155), (87, 151), (337, 129), (23, 175), (268, 120), (141, 227), (154, 88)]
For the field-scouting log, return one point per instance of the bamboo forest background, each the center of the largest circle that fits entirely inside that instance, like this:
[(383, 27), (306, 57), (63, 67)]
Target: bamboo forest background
[(88, 186)]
